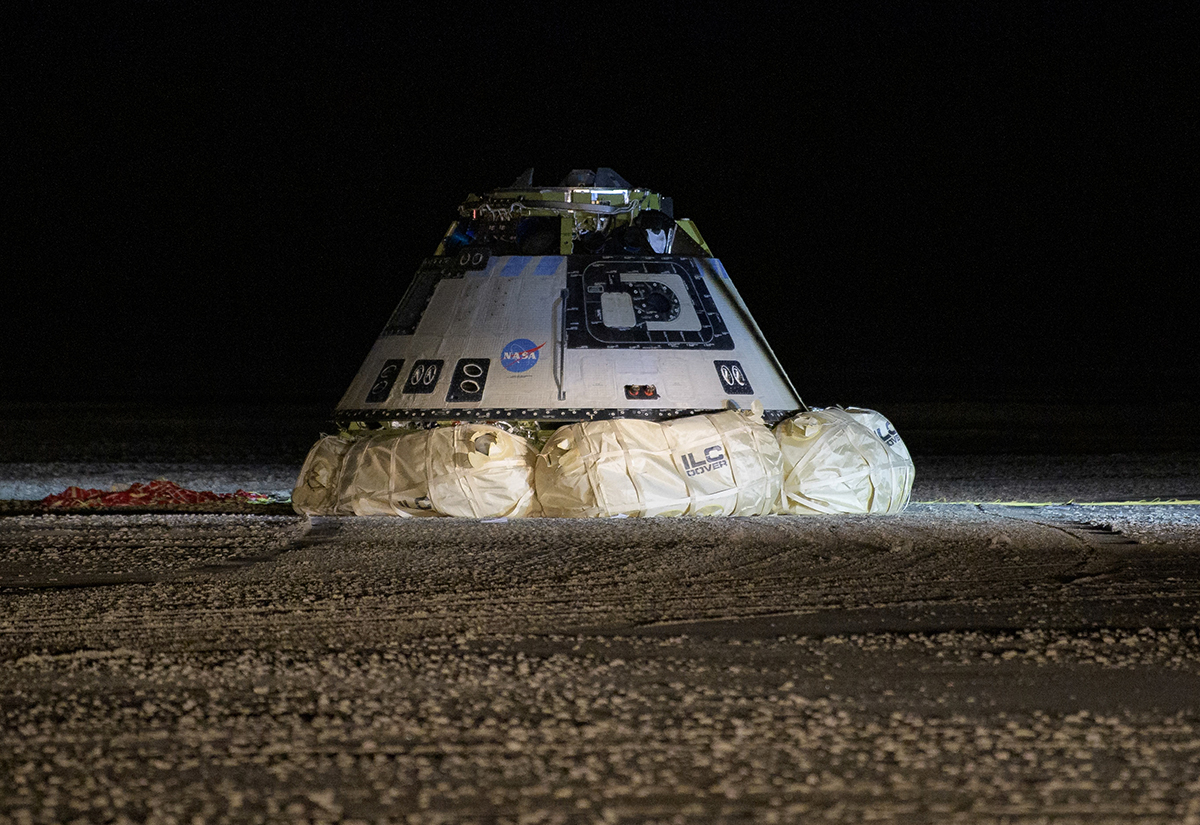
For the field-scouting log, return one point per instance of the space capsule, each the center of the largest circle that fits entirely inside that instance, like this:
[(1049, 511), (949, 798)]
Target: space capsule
[(548, 305)]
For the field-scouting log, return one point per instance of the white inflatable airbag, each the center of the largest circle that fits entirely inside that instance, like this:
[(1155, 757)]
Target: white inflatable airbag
[(479, 471), (316, 491), (724, 463), (835, 462), (472, 470)]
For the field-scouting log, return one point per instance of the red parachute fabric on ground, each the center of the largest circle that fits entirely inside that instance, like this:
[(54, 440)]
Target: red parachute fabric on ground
[(153, 494)]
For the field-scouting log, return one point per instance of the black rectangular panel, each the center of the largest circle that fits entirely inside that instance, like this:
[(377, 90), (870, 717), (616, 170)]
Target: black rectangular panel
[(384, 382), (733, 378), (470, 374), (423, 377)]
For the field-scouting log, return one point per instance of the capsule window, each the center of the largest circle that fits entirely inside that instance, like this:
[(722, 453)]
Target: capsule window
[(384, 382), (469, 379), (424, 377)]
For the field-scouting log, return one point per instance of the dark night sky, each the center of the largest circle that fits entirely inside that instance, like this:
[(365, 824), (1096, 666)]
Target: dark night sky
[(917, 201)]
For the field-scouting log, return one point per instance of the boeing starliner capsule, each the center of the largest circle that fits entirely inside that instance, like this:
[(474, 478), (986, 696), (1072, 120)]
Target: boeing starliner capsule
[(544, 306), (576, 351)]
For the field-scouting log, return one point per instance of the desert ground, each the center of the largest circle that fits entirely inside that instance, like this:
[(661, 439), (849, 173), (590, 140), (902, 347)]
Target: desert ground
[(1021, 645)]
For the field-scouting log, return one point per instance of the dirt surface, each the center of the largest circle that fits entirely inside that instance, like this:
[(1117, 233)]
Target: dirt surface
[(966, 663), (953, 664)]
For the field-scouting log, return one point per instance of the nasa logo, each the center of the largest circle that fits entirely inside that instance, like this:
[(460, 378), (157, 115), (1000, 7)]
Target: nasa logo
[(519, 355), (713, 459)]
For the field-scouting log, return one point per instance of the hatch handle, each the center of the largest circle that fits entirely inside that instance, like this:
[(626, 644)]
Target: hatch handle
[(562, 346)]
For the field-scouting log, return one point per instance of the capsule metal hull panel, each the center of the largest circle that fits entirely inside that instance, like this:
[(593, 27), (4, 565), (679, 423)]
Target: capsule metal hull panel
[(566, 337)]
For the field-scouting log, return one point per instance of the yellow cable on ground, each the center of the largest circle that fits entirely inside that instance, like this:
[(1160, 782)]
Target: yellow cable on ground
[(1072, 502)]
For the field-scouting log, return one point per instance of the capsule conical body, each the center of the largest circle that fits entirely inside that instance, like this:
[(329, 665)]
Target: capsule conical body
[(558, 304)]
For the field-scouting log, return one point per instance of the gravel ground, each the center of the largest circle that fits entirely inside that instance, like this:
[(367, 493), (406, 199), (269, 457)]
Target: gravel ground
[(958, 663), (953, 664)]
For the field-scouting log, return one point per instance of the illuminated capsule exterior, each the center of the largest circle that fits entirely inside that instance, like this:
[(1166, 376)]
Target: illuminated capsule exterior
[(549, 305)]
